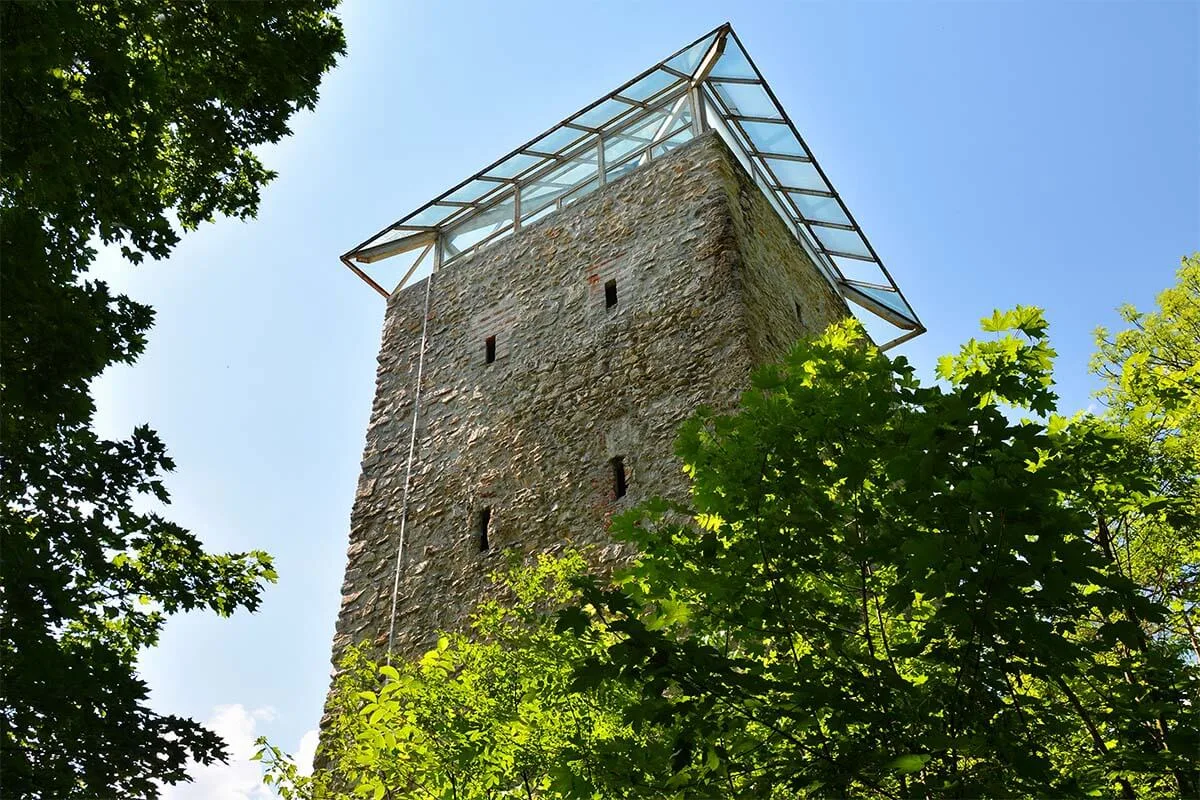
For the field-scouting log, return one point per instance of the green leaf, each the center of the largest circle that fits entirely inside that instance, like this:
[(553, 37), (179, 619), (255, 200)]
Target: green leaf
[(909, 763), (136, 121)]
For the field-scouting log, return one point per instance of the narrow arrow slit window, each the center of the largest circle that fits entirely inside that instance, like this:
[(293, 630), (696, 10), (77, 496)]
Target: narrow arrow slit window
[(618, 477), (610, 293), (482, 523)]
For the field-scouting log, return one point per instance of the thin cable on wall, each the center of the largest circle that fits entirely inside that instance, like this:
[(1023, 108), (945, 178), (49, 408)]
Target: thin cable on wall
[(412, 447)]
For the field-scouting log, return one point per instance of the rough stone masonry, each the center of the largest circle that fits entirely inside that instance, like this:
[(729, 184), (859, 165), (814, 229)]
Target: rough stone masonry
[(583, 338)]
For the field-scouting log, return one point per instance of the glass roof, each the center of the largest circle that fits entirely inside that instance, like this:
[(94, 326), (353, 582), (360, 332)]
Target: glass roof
[(709, 85)]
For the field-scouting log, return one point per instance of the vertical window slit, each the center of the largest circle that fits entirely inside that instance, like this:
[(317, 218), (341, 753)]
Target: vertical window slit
[(618, 476), (489, 349), (610, 293), (482, 522), (799, 314)]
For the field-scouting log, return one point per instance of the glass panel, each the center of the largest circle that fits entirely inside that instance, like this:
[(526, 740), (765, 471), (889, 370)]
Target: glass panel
[(582, 191), (673, 142), (472, 191), (813, 251), (798, 174), (887, 298), (776, 203), (841, 241), (430, 216), (480, 226), (620, 144), (507, 232), (613, 173), (687, 61), (391, 271), (423, 271), (739, 137), (824, 209), (770, 137), (545, 212), (718, 124), (557, 139), (513, 165), (573, 172), (602, 114), (747, 99), (385, 237), (733, 63), (650, 85), (855, 270), (641, 134), (449, 253), (543, 191), (685, 111)]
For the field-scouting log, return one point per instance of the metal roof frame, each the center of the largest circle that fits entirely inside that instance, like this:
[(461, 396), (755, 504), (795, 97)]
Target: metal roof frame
[(710, 84)]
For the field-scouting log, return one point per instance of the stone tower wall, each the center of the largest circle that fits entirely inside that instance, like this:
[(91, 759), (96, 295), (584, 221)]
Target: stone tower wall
[(709, 283)]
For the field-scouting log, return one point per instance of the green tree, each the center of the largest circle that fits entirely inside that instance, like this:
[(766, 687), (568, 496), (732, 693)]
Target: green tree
[(879, 589), (123, 122), (1151, 371), (496, 713), (937, 613)]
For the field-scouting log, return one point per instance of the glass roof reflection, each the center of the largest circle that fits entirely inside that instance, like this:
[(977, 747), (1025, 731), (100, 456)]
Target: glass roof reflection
[(747, 100), (820, 209), (471, 191), (431, 216), (642, 120), (602, 114), (557, 139), (839, 240), (733, 63), (514, 164), (773, 137), (650, 85), (687, 60), (883, 295), (797, 174)]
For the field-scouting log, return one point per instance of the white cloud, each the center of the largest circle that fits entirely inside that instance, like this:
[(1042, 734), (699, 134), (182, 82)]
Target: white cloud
[(306, 751), (240, 778)]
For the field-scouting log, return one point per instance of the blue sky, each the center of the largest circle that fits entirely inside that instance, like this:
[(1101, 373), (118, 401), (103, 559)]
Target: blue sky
[(995, 153)]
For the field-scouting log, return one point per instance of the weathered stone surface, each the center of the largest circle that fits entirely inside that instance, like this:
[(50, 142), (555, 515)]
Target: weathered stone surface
[(709, 283)]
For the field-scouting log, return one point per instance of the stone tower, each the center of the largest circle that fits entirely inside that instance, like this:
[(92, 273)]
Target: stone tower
[(561, 312)]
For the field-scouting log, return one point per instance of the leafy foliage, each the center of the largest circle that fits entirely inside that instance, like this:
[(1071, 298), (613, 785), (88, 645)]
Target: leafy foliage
[(1152, 394), (499, 713), (879, 589), (121, 119)]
